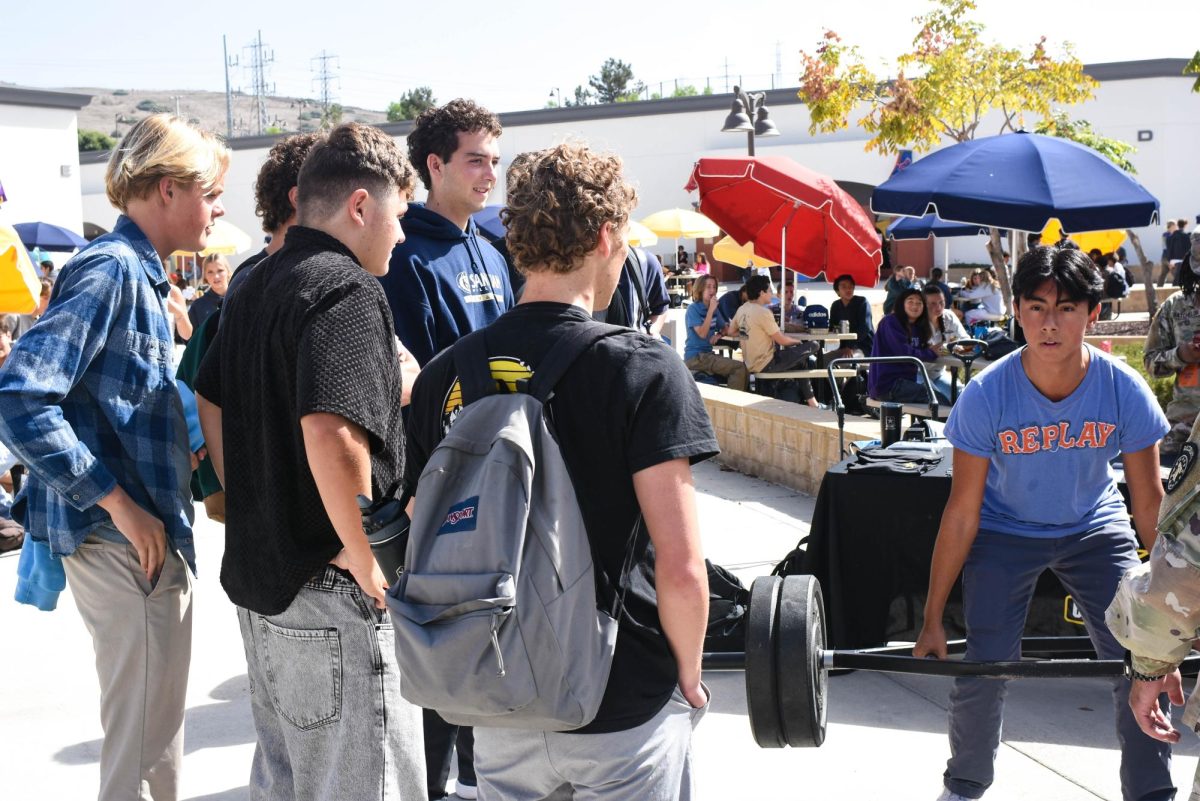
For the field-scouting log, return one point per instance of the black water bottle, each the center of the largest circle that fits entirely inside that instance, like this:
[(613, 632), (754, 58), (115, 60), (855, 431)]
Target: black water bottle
[(890, 418), (386, 525)]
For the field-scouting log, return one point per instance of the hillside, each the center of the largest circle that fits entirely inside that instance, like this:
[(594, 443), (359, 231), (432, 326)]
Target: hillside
[(116, 110)]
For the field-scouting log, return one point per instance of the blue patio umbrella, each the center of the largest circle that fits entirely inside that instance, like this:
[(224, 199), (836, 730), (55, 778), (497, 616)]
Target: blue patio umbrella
[(49, 237), (931, 225), (1019, 181), (488, 220)]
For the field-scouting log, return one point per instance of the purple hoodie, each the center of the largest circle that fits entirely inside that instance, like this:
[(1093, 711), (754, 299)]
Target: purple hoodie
[(891, 340)]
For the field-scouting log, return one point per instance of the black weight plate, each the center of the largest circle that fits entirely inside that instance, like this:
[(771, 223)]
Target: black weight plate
[(802, 677), (762, 677)]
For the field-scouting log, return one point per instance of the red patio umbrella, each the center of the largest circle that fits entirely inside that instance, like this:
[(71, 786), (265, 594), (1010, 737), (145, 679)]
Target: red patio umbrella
[(794, 216)]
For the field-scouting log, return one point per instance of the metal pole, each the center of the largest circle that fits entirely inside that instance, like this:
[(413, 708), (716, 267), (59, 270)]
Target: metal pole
[(228, 96)]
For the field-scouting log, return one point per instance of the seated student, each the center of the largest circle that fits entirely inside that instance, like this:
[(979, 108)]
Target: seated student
[(945, 329), (704, 327), (755, 322), (904, 332), (794, 320), (856, 310), (985, 289), (701, 263), (937, 277)]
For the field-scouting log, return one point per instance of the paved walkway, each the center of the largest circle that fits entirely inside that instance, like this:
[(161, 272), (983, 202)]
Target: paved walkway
[(886, 734)]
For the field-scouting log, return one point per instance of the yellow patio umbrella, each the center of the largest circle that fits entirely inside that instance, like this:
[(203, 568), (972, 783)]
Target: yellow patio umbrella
[(681, 224), (730, 252), (1103, 241), (641, 236), (226, 239), (20, 286)]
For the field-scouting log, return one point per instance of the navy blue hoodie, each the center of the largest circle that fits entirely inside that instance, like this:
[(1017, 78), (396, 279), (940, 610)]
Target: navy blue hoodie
[(443, 282)]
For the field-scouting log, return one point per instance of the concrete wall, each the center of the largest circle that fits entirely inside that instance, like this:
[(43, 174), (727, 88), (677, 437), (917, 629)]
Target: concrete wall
[(37, 146), (785, 443)]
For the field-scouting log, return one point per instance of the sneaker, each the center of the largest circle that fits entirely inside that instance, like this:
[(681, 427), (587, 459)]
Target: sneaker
[(949, 796), (469, 792)]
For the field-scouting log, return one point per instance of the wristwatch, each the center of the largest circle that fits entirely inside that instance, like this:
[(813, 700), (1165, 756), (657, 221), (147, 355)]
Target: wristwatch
[(1130, 673)]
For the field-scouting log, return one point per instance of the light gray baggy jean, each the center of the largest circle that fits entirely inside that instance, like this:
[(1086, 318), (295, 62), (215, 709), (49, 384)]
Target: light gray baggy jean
[(325, 692)]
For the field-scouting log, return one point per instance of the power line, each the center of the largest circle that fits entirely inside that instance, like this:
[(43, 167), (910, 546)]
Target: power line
[(260, 58), (324, 81)]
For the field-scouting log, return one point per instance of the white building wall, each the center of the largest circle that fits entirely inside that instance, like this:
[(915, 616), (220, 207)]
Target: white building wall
[(660, 149), (36, 144)]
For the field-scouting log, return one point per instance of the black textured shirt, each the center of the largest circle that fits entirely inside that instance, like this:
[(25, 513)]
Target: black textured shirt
[(309, 330)]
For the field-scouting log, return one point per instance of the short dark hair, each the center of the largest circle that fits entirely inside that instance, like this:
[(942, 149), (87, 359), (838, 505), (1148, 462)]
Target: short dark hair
[(276, 178), (936, 273), (931, 289), (436, 131), (352, 157), (756, 285), (1070, 269), (843, 277)]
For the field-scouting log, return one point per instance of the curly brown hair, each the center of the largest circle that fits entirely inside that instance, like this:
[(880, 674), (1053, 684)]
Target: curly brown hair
[(557, 204), (352, 157), (276, 178), (436, 131)]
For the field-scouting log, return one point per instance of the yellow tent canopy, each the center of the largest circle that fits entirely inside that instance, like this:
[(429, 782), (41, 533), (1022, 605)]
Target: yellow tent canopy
[(681, 224), (1103, 241), (20, 287)]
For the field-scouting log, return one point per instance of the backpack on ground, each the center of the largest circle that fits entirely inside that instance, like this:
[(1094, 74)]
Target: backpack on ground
[(728, 600), (500, 617)]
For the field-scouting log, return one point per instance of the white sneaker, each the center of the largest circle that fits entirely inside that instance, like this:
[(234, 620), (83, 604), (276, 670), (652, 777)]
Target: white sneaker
[(469, 792), (949, 796)]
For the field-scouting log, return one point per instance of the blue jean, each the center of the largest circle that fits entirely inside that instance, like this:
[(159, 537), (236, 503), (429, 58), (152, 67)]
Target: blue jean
[(998, 582), (325, 693)]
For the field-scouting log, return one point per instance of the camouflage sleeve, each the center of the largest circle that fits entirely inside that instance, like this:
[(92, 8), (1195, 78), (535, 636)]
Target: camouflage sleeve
[(1156, 611), (1161, 359)]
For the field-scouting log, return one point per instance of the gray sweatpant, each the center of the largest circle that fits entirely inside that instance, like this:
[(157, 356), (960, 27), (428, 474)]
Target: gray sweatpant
[(651, 762), (142, 635)]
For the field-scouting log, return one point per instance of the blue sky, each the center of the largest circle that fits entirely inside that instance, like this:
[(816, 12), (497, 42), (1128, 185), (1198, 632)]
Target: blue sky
[(510, 56)]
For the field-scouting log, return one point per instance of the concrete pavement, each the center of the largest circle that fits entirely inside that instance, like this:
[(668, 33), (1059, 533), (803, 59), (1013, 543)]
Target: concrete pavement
[(886, 734)]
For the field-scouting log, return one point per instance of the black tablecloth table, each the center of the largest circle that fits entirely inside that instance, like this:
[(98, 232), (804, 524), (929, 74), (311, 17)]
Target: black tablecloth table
[(870, 546)]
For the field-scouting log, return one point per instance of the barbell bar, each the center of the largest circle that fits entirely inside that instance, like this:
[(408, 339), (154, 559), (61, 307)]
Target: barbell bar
[(787, 664)]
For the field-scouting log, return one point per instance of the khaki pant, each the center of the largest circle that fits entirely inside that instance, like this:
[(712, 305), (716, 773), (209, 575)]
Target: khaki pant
[(142, 635), (734, 371)]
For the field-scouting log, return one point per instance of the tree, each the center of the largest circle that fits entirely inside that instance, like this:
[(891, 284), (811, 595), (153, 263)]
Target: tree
[(582, 97), (411, 104), (95, 141), (332, 116), (960, 79), (685, 91), (945, 87), (615, 83), (1193, 68), (1081, 131)]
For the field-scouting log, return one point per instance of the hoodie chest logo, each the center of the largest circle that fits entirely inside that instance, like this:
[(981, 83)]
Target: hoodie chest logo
[(479, 287)]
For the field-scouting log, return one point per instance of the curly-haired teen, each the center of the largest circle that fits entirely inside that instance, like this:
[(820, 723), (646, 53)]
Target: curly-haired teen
[(275, 195), (298, 402), (445, 279), (629, 421), (90, 408)]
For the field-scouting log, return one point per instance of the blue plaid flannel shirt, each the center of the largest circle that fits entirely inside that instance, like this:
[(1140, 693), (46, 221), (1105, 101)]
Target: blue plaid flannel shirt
[(88, 398)]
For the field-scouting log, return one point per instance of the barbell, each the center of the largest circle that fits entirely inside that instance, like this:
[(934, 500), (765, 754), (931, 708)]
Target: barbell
[(787, 664)]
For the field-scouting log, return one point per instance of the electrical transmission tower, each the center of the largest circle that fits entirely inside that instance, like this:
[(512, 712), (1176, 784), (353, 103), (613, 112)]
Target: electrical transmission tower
[(260, 58), (324, 81)]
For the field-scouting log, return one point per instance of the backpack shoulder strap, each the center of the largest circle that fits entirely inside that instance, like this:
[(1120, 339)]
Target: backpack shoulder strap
[(474, 371), (641, 315), (564, 353)]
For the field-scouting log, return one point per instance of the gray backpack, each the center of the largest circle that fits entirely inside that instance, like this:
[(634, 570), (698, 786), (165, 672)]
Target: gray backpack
[(500, 617)]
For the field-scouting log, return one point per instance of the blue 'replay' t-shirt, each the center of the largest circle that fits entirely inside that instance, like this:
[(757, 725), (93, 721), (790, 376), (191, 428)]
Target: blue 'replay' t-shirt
[(1049, 473)]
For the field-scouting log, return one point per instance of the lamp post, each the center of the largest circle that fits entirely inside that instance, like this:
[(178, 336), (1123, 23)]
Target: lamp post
[(750, 114)]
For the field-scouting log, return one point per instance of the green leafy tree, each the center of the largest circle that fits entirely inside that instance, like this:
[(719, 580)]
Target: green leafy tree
[(332, 117), (685, 91), (411, 104), (582, 97), (1193, 68), (960, 78), (95, 141), (615, 83)]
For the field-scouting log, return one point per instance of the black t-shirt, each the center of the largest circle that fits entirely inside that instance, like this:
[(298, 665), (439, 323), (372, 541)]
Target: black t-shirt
[(309, 330), (204, 307), (858, 314), (626, 404)]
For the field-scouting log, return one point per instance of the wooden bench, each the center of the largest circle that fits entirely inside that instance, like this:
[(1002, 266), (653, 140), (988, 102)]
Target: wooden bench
[(915, 410), (793, 374)]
